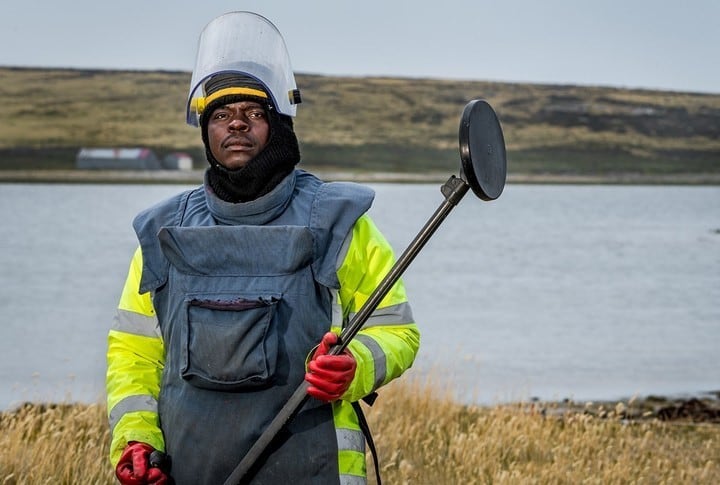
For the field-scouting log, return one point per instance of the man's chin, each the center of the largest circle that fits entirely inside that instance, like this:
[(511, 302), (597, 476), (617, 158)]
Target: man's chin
[(234, 163)]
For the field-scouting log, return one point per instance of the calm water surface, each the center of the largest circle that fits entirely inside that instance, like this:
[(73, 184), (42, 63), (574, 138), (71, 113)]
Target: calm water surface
[(587, 292)]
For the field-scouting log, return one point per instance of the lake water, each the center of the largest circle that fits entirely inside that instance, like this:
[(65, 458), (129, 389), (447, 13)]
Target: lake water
[(583, 292)]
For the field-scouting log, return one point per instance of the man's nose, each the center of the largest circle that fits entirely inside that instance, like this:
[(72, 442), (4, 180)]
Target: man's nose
[(239, 123)]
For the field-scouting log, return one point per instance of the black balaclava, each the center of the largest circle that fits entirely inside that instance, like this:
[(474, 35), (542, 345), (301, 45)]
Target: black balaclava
[(261, 174)]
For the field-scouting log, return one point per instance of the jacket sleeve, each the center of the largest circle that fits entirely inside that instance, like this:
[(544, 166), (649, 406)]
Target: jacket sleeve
[(135, 360), (387, 344)]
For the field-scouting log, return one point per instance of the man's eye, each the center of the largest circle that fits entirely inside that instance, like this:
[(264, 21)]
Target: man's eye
[(256, 114)]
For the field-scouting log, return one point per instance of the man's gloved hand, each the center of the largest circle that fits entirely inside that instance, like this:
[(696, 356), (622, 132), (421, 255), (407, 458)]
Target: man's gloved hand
[(134, 467), (329, 375)]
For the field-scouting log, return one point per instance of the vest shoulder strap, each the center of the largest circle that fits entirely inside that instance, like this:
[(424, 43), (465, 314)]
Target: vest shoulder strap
[(335, 209), (147, 224)]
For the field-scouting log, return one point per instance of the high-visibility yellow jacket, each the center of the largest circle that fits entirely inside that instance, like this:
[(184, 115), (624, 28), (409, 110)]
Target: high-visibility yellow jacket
[(383, 349)]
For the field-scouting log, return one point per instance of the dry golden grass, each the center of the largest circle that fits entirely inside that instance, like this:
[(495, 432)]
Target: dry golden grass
[(423, 437), (63, 444)]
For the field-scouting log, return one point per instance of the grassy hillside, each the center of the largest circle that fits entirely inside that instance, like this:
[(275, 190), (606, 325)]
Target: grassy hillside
[(387, 124)]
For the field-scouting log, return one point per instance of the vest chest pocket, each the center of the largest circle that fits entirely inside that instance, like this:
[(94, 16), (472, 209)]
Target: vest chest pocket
[(230, 344)]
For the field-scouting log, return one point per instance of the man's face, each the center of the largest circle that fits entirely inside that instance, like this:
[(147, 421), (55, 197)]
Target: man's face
[(237, 132)]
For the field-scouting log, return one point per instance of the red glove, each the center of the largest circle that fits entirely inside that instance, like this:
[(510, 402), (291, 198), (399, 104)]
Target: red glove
[(134, 466), (330, 375)]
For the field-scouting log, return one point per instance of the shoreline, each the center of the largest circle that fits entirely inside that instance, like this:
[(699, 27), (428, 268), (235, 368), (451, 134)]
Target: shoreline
[(699, 408), (194, 177)]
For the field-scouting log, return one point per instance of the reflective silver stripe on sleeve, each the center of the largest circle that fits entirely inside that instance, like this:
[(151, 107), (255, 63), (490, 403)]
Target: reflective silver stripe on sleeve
[(350, 439), (337, 313), (378, 358), (352, 480), (136, 323), (131, 404), (400, 314), (342, 254)]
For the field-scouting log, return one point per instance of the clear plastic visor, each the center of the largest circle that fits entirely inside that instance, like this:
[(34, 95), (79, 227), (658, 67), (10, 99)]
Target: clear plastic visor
[(245, 43)]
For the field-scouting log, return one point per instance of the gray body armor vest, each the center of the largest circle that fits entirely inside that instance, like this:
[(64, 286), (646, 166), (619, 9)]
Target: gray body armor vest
[(242, 293)]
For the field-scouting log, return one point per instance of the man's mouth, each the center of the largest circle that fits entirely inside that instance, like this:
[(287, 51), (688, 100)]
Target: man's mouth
[(237, 143)]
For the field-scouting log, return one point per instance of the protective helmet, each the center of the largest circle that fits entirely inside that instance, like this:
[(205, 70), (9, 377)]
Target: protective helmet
[(248, 44)]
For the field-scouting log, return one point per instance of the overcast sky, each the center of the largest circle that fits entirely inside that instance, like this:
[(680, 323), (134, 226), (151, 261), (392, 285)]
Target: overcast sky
[(623, 43)]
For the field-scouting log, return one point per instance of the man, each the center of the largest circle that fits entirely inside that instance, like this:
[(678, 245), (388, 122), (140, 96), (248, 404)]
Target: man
[(239, 289)]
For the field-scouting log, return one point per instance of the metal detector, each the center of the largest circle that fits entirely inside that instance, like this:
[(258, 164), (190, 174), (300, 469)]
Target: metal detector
[(484, 169)]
